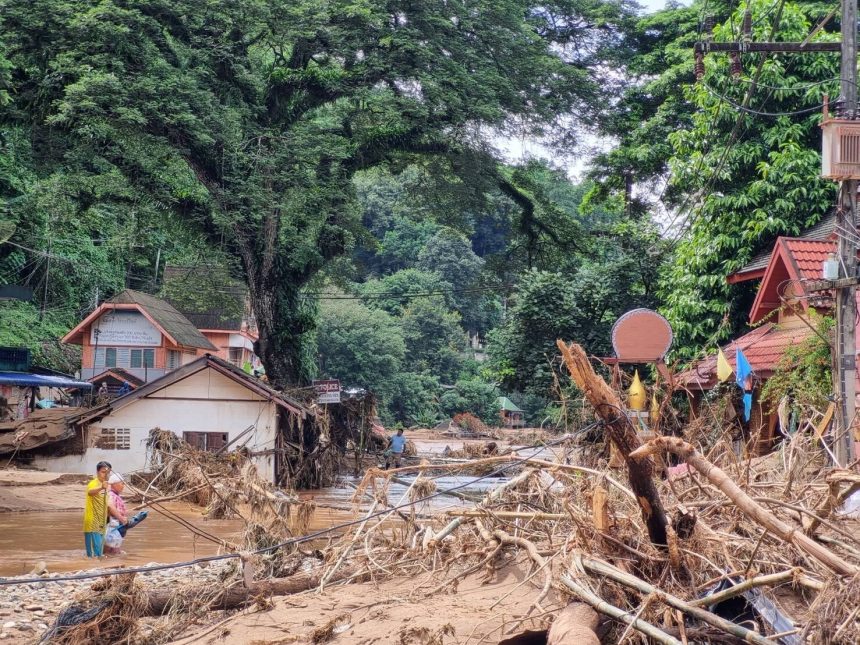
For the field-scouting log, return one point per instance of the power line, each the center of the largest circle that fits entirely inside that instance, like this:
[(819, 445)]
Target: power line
[(742, 108)]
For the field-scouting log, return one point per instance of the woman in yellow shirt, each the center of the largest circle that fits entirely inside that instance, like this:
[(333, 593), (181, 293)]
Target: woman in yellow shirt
[(96, 511)]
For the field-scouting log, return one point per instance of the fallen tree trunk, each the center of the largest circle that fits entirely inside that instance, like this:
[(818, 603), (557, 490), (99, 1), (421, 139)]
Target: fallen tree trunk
[(159, 601), (576, 624), (747, 504), (610, 408)]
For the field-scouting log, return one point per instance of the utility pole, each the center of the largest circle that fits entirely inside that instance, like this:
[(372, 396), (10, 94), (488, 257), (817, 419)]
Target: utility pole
[(846, 211), (845, 354)]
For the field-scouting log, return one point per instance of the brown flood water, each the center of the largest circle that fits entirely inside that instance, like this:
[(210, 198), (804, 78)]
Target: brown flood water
[(57, 536)]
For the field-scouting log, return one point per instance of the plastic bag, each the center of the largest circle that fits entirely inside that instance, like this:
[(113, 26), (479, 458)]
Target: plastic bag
[(113, 538)]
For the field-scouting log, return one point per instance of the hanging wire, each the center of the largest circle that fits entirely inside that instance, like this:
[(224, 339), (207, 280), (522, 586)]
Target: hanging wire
[(748, 110)]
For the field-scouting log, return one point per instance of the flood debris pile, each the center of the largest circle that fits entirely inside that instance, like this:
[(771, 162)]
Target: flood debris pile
[(682, 541)]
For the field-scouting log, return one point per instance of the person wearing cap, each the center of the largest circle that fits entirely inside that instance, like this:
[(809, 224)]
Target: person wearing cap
[(96, 511), (116, 510)]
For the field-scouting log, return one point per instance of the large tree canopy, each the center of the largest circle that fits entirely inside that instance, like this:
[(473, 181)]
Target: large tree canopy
[(249, 118), (725, 163)]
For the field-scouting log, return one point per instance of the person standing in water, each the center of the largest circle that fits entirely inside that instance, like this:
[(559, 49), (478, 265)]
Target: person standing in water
[(396, 446), (118, 515), (96, 511)]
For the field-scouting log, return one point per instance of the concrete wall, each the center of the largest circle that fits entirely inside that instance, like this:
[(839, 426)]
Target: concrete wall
[(204, 402)]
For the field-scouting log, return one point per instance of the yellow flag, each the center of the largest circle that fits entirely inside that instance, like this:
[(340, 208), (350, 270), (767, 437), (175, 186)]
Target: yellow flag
[(724, 370), (637, 397)]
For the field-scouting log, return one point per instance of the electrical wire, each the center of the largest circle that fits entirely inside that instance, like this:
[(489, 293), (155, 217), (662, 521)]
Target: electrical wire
[(296, 540), (747, 110)]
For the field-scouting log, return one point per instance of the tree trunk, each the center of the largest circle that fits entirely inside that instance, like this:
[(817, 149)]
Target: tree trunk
[(159, 601), (576, 624), (610, 408), (284, 319)]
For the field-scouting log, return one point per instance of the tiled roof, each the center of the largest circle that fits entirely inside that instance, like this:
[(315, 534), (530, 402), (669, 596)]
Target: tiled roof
[(165, 316), (763, 347), (823, 230), (809, 255)]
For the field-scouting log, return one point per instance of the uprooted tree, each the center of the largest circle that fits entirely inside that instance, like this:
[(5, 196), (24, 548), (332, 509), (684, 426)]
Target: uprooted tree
[(249, 118)]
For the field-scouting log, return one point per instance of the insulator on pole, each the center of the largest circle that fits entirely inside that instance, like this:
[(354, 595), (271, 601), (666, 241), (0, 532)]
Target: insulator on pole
[(699, 66), (747, 26), (737, 66), (708, 27)]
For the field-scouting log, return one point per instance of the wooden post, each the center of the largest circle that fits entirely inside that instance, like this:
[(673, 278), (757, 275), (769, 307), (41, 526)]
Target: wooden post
[(609, 408)]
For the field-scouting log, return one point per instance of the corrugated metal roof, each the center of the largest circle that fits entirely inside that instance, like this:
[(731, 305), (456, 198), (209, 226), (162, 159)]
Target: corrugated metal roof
[(506, 404), (763, 348)]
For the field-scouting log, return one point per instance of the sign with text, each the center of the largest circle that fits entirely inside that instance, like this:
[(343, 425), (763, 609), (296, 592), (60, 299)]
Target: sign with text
[(328, 391), (124, 328)]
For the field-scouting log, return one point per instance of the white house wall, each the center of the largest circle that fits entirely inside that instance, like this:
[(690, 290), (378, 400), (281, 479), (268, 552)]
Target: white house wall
[(204, 402)]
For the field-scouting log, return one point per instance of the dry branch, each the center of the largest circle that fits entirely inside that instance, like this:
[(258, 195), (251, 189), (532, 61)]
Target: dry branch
[(744, 502), (159, 601), (609, 408), (619, 614), (607, 570)]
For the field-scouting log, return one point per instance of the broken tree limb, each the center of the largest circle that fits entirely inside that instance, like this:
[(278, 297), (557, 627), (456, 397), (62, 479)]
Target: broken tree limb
[(605, 569), (576, 624), (506, 515), (835, 499), (619, 614), (158, 602), (609, 407), (494, 494), (748, 505), (745, 585)]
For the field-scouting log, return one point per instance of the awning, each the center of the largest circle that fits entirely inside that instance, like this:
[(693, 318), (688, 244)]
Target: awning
[(25, 379)]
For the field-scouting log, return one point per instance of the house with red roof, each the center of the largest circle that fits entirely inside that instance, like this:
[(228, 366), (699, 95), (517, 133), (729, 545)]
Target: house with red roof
[(780, 314)]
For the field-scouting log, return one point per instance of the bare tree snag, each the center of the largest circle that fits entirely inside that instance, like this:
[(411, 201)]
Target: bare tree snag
[(576, 624), (610, 408), (599, 508), (747, 504)]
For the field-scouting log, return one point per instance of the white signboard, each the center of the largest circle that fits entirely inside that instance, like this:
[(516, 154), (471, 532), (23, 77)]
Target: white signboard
[(328, 391), (124, 328)]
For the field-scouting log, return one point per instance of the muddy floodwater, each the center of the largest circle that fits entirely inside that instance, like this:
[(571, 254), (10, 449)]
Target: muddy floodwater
[(56, 537)]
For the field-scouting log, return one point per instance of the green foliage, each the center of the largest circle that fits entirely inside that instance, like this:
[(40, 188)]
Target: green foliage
[(804, 370), (392, 293), (475, 397), (250, 118), (434, 338), (205, 288), (745, 178), (362, 347), (21, 326)]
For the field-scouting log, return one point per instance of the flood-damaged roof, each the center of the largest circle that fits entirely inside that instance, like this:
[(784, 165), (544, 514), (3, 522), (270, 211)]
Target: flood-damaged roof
[(41, 427)]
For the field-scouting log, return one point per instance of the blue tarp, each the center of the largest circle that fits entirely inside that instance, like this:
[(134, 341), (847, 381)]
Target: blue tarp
[(25, 379)]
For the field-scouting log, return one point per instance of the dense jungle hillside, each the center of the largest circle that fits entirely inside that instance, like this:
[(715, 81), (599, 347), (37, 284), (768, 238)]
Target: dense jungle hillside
[(349, 163)]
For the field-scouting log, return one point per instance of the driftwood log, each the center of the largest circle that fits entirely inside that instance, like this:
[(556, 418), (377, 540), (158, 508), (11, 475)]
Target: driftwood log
[(159, 601), (611, 410), (576, 624), (746, 503)]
